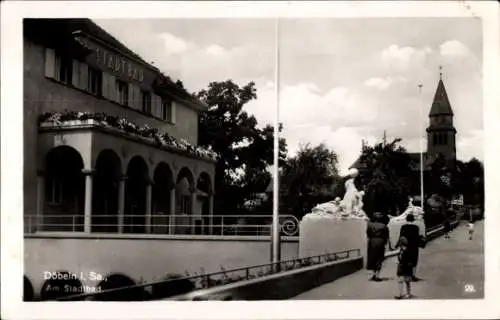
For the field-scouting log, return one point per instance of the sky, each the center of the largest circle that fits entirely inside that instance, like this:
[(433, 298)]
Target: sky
[(341, 80)]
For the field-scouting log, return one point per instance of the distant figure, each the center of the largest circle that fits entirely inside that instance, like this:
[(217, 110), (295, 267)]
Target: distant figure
[(405, 269), (470, 229), (411, 232), (447, 223), (378, 236)]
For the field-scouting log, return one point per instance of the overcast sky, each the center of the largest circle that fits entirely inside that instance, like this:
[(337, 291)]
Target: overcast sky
[(341, 80)]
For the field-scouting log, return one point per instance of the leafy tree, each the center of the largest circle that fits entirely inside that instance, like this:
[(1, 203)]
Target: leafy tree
[(245, 151), (386, 176), (309, 178), (472, 182)]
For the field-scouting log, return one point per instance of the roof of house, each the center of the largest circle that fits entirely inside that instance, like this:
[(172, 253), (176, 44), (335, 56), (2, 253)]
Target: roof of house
[(441, 104), (51, 31)]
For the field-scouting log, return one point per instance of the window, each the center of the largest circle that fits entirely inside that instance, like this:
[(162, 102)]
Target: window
[(95, 81), (166, 110), (54, 191), (64, 69), (445, 138), (122, 92), (434, 139), (146, 102)]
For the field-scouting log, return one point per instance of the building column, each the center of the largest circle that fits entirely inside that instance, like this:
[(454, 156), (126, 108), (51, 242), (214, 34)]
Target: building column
[(211, 211), (87, 224), (193, 217), (171, 220), (121, 202), (149, 202), (37, 224)]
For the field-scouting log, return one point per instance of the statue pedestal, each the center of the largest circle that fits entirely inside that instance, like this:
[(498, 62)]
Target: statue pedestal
[(320, 234)]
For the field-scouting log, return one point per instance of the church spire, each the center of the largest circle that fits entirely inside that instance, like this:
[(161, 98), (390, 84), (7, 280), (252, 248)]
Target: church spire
[(441, 104)]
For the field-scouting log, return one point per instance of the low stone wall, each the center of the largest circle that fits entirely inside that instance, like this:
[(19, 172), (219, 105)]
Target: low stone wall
[(280, 286), (92, 257)]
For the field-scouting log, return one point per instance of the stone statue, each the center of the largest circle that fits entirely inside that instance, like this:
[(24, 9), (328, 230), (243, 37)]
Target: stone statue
[(351, 196), (351, 206), (417, 212)]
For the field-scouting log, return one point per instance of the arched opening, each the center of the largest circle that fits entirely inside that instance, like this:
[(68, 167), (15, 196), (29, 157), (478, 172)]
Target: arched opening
[(176, 285), (105, 192), (203, 194), (64, 190), (135, 196), (118, 280), (161, 206), (184, 188), (28, 291), (61, 284)]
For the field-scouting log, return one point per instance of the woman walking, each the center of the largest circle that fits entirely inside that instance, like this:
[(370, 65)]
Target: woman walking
[(405, 269), (378, 236), (411, 232)]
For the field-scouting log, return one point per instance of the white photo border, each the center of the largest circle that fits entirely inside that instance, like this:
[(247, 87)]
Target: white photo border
[(12, 159)]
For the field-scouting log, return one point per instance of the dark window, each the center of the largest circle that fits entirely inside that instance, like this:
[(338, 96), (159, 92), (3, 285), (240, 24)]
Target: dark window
[(434, 139), (445, 138), (184, 204), (64, 69), (166, 110), (122, 92), (146, 102), (54, 191), (95, 81)]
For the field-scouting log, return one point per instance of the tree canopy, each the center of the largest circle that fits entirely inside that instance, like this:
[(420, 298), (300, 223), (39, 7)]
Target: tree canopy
[(245, 150), (386, 177), (308, 178)]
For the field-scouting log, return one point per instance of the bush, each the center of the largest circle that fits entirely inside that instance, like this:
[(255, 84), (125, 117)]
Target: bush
[(177, 286)]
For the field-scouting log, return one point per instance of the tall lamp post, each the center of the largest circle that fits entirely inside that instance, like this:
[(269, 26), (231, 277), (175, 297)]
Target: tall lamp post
[(421, 151), (275, 242)]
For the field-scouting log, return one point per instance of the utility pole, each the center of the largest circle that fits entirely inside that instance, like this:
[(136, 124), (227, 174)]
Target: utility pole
[(275, 241), (421, 150)]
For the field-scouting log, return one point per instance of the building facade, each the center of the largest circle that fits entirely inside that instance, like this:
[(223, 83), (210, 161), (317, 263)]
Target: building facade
[(110, 143)]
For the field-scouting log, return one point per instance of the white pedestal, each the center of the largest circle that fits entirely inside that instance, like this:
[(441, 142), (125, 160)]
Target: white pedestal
[(324, 234)]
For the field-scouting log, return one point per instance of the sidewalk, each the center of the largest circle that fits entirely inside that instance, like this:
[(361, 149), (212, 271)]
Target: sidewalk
[(450, 269)]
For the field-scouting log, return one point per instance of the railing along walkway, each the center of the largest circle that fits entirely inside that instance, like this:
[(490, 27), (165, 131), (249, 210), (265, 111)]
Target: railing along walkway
[(164, 289)]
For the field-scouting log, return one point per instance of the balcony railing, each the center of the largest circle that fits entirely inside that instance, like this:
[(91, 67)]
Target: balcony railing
[(159, 224)]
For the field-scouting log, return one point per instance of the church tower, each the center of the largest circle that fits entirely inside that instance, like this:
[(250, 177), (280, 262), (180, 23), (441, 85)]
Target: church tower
[(441, 132)]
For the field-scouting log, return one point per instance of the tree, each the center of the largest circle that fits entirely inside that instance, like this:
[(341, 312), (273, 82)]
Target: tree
[(472, 178), (385, 176), (309, 178), (245, 151)]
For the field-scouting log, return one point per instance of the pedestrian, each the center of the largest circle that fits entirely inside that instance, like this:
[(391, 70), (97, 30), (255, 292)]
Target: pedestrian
[(411, 232), (378, 236), (405, 269), (470, 228), (447, 224)]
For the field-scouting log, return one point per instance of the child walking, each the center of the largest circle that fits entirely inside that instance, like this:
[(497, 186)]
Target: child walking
[(405, 269), (470, 228)]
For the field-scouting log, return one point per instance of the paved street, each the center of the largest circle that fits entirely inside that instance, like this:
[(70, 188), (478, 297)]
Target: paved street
[(450, 269)]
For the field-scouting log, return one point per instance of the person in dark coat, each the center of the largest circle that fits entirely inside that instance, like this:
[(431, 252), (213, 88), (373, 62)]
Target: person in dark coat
[(405, 269), (377, 233), (447, 222), (411, 232)]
